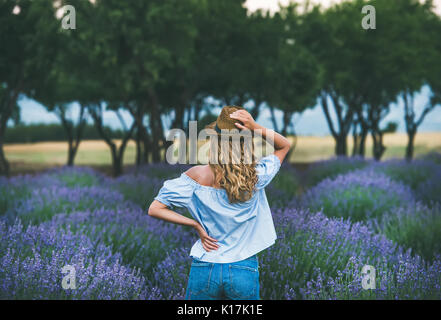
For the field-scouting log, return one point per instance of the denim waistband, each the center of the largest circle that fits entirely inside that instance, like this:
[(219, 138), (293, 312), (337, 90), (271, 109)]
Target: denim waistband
[(252, 258)]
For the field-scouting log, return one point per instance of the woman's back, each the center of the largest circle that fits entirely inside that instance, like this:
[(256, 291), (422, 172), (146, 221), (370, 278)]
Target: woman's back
[(241, 228), (228, 203)]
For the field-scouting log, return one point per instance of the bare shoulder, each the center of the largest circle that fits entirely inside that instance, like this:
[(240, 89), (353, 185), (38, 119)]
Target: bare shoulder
[(201, 173)]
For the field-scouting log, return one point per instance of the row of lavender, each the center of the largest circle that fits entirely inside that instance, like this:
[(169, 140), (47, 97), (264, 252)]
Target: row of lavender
[(331, 221)]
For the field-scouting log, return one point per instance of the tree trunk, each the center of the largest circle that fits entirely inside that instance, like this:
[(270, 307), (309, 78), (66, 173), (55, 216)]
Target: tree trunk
[(273, 119), (138, 147), (341, 146), (6, 106), (117, 153), (178, 123), (411, 122), (255, 110), (156, 151), (156, 127), (74, 135), (4, 164), (344, 120), (286, 122), (356, 140), (71, 154), (197, 110), (146, 150), (410, 145), (359, 148), (362, 143), (117, 164), (378, 148), (73, 145), (142, 137)]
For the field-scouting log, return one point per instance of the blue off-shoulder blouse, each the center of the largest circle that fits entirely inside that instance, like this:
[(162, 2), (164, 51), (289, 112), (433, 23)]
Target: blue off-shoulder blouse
[(242, 229)]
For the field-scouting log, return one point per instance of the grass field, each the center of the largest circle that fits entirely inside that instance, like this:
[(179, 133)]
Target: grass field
[(35, 156)]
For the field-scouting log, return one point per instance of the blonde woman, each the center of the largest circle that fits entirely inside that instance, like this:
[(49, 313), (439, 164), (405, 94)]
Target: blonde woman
[(231, 213)]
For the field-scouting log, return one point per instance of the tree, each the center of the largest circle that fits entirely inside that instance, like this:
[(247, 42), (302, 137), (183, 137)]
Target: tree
[(117, 152), (28, 40), (362, 70), (421, 39), (136, 59), (57, 93), (293, 73), (322, 34), (74, 129)]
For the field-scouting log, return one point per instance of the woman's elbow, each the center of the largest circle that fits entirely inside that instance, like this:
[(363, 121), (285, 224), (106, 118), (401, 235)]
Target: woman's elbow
[(288, 145), (154, 207), (151, 210)]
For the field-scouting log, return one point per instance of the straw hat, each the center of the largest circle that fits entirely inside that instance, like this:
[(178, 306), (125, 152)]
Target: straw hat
[(224, 121)]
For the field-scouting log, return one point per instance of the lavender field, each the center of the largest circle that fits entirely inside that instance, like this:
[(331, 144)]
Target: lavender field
[(331, 220)]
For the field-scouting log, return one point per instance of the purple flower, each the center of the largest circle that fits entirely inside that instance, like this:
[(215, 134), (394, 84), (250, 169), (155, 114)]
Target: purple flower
[(358, 195), (32, 258)]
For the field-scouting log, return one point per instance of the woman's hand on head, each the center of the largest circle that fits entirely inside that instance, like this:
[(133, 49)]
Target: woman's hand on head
[(208, 242), (246, 118)]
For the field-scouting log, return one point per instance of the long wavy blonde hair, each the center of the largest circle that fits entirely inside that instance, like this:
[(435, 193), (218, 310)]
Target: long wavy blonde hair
[(238, 178)]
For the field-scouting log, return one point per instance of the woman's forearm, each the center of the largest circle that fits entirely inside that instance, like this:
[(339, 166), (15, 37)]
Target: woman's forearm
[(160, 211), (279, 141), (171, 216)]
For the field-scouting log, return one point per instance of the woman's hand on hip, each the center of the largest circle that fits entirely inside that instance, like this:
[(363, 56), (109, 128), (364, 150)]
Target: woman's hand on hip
[(208, 242)]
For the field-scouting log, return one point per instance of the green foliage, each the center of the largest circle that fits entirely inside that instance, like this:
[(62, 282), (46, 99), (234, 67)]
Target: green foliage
[(139, 191), (287, 181), (332, 168), (10, 195), (433, 156), (412, 174), (157, 58), (391, 127), (285, 187), (357, 203), (139, 247), (42, 204), (416, 227)]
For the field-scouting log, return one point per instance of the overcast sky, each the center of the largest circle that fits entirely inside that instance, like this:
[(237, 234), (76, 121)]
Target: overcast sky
[(311, 122), (272, 5)]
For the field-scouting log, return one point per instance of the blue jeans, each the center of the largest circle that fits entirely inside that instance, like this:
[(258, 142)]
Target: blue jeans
[(220, 281)]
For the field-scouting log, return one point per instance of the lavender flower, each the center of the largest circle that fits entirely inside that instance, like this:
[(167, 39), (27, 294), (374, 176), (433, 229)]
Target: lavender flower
[(100, 226), (415, 226), (142, 240), (31, 261), (321, 258), (45, 202), (411, 174), (330, 168), (358, 195)]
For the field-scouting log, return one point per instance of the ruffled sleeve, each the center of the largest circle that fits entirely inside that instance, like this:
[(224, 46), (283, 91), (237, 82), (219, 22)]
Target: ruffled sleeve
[(267, 168), (176, 192)]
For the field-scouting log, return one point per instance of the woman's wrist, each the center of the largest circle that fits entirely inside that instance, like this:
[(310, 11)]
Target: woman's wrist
[(257, 126), (195, 225)]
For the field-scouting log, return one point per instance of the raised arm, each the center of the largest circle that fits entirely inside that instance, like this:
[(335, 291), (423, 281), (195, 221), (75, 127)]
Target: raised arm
[(280, 143)]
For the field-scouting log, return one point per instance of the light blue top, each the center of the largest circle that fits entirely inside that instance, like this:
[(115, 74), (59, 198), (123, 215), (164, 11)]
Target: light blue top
[(242, 229)]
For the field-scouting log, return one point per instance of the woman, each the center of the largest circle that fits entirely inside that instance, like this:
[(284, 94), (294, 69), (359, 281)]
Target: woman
[(232, 216)]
